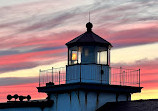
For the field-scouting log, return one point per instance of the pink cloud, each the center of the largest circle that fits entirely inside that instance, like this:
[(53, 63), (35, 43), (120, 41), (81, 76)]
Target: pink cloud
[(57, 40), (23, 89), (30, 60), (33, 56), (130, 37)]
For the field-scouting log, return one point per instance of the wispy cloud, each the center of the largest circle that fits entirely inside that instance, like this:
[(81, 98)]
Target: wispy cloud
[(34, 33), (135, 37), (17, 80)]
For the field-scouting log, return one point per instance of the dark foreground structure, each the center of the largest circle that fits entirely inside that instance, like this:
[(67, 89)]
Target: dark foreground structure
[(40, 105), (139, 105)]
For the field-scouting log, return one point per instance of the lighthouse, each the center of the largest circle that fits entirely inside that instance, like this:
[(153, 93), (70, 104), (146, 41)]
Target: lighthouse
[(88, 58), (88, 81)]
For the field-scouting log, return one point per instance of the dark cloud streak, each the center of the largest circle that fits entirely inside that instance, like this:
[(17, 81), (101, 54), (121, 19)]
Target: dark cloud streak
[(17, 80)]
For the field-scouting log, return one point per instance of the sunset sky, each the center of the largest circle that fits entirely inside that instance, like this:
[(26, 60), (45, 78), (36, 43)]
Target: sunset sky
[(33, 34)]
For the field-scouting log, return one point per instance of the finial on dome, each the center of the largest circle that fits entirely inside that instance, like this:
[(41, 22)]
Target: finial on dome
[(89, 26)]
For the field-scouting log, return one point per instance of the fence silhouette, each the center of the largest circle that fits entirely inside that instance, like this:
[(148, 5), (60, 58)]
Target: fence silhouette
[(117, 76)]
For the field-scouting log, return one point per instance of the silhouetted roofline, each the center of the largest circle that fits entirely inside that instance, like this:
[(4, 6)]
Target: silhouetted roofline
[(88, 38), (89, 87), (23, 104), (138, 105)]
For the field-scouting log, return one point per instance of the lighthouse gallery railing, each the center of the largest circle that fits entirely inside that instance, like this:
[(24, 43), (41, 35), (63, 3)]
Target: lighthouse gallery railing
[(117, 76)]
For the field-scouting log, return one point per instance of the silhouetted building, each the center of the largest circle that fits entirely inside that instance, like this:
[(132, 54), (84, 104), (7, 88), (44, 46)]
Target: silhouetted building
[(139, 105)]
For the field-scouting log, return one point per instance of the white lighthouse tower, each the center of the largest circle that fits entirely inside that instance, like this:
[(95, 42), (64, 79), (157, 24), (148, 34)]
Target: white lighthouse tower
[(90, 81)]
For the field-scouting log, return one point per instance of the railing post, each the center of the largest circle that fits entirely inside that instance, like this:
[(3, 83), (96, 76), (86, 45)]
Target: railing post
[(39, 77), (139, 77), (47, 76), (52, 74), (123, 78), (109, 75), (59, 77), (77, 54), (120, 74), (101, 73), (80, 73), (66, 78)]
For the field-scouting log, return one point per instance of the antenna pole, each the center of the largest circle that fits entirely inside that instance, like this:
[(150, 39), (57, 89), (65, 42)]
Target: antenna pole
[(89, 16)]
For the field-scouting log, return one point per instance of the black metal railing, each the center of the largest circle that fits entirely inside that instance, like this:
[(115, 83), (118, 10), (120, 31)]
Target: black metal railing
[(54, 75), (117, 76), (125, 77)]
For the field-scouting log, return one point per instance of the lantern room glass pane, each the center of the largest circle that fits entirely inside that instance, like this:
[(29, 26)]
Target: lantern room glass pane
[(74, 55), (79, 57), (88, 55), (109, 57), (101, 55)]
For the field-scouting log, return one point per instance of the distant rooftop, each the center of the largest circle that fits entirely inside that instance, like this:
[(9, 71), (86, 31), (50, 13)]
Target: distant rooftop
[(139, 105)]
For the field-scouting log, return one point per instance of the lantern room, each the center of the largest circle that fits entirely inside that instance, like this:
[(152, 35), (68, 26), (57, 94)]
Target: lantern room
[(88, 58), (89, 48)]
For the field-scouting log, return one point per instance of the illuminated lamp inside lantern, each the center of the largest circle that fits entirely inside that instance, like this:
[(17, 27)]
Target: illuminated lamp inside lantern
[(74, 56)]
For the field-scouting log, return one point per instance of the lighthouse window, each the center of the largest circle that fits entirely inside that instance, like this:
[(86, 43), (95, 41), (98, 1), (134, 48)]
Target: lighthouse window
[(102, 57), (109, 57), (74, 55), (79, 57), (86, 52)]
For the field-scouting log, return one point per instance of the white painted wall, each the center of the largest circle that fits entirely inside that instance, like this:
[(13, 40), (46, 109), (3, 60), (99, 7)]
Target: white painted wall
[(78, 102), (89, 74)]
